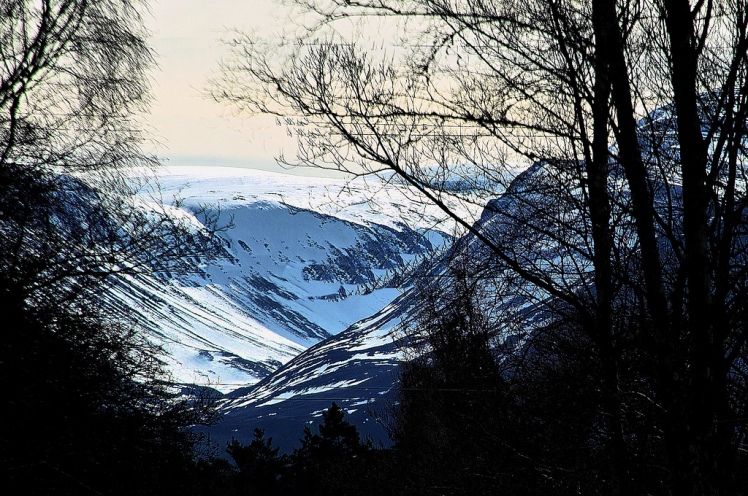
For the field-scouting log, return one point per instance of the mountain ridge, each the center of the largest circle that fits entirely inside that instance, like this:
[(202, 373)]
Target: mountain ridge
[(295, 269)]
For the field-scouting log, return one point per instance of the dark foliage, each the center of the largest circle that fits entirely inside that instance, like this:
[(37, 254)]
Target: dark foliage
[(87, 406), (332, 461), (260, 467), (482, 415), (627, 236), (452, 400), (85, 410)]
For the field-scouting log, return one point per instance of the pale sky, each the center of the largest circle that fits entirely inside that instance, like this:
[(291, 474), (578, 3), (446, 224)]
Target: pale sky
[(194, 130)]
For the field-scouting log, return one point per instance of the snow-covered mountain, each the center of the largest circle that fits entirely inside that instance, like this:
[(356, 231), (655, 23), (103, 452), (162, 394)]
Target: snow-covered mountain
[(358, 367), (540, 221), (305, 259), (539, 224)]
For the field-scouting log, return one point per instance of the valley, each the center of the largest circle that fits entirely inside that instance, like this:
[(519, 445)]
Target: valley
[(313, 275)]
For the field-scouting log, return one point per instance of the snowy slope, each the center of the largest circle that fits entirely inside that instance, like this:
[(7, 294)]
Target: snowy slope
[(357, 368), (534, 220), (306, 258)]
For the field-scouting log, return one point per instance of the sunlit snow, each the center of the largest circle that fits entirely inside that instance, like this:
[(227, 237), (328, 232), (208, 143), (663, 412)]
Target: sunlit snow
[(306, 258)]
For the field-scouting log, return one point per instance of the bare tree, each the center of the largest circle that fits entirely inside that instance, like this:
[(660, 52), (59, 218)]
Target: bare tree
[(72, 81), (73, 88), (636, 112), (89, 401)]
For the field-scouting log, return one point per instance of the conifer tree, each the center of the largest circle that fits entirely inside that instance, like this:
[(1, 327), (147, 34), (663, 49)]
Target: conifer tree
[(260, 467), (329, 461)]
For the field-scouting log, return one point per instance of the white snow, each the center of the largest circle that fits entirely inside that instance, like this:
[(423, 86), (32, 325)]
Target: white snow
[(244, 315)]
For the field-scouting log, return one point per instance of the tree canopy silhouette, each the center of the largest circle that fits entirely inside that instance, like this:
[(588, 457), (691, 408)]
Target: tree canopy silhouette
[(629, 122), (89, 407)]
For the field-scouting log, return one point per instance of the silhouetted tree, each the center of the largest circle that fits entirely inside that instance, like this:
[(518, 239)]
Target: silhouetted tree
[(478, 412), (89, 408), (260, 467), (332, 461), (452, 401), (629, 120)]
